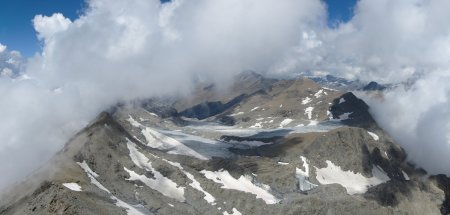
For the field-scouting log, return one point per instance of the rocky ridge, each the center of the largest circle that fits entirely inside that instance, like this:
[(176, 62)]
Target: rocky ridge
[(265, 146)]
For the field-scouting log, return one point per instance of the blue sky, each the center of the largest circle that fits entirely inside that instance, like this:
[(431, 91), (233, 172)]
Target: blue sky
[(16, 30)]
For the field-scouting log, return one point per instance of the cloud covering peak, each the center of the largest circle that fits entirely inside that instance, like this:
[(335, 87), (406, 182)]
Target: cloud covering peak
[(122, 50)]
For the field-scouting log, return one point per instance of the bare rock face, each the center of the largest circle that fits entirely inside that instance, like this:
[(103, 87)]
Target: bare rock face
[(286, 147)]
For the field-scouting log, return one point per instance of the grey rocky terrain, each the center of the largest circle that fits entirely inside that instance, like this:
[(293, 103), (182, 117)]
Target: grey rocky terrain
[(261, 146)]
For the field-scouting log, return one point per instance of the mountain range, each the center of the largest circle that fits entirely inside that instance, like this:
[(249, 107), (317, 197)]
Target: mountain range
[(259, 146)]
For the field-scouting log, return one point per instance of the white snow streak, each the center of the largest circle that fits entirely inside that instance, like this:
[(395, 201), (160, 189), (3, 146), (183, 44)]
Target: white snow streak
[(72, 186), (255, 108), (374, 136), (92, 175)]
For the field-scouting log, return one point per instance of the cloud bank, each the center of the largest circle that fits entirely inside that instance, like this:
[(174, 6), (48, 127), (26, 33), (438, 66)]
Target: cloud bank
[(406, 41), (122, 50)]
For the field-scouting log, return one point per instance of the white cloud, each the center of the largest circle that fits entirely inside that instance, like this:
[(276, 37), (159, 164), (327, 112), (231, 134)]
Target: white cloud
[(398, 41), (2, 48), (6, 72), (120, 50), (47, 26)]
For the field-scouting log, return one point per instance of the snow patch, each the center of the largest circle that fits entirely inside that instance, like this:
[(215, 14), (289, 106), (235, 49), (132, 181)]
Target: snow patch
[(242, 184), (313, 123), (92, 175), (282, 163), (342, 100), (303, 176), (318, 94), (195, 184), (133, 122), (235, 212), (306, 100), (374, 136), (285, 122), (405, 175), (236, 114), (160, 183), (257, 125), (72, 186), (255, 108), (329, 115), (354, 183), (308, 112)]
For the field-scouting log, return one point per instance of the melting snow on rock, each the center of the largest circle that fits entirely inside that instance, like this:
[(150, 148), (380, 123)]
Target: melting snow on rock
[(235, 212), (242, 184), (308, 112), (354, 183), (195, 184), (306, 101), (92, 175), (318, 94), (161, 184), (303, 176)]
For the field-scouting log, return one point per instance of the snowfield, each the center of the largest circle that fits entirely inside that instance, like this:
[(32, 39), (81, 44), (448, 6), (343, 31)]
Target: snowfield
[(242, 184), (354, 183)]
